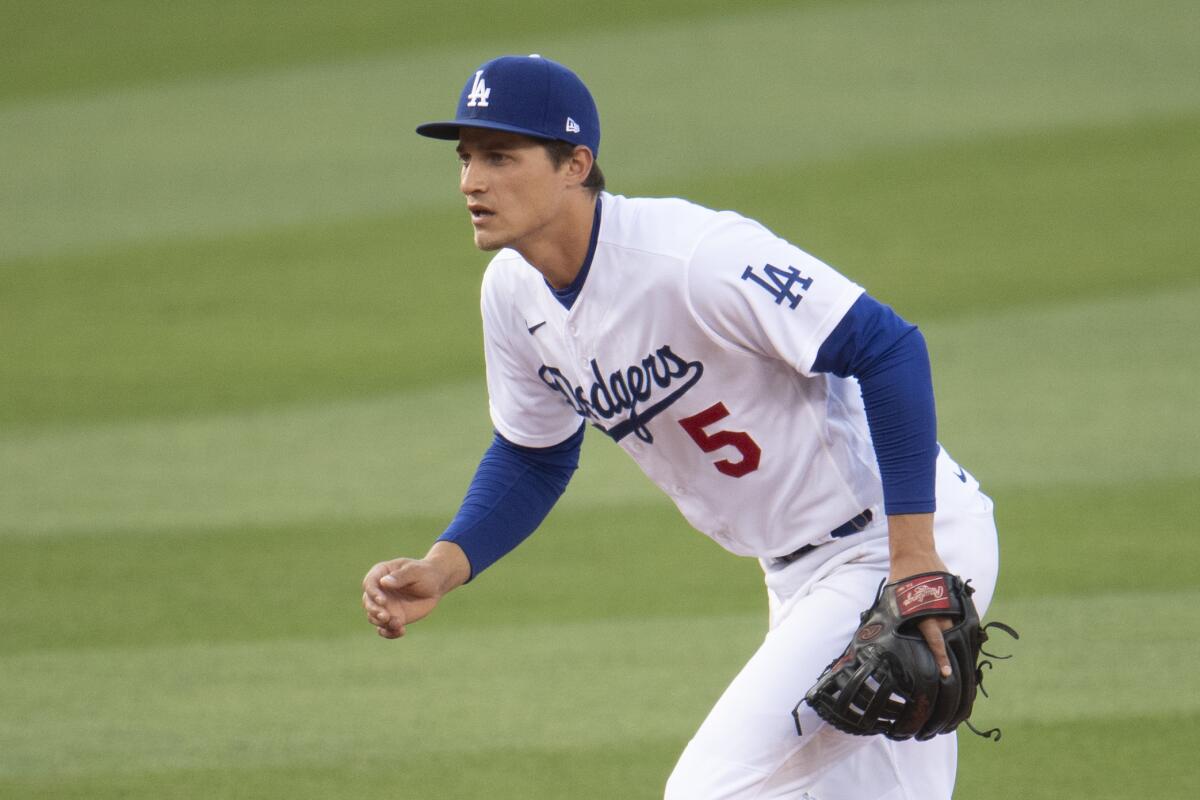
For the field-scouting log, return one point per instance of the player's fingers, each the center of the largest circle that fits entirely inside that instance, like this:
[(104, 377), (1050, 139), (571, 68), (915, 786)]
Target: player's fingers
[(403, 575), (388, 632), (931, 628), (376, 614), (374, 574), (369, 604), (387, 575), (395, 578), (370, 583)]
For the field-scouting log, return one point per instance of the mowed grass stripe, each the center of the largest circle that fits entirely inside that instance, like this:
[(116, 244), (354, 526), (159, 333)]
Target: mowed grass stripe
[(589, 683), (222, 581), (277, 317), (412, 453), (405, 453), (142, 42), (1085, 760), (1064, 761), (1098, 538), (966, 228), (330, 141), (580, 566), (311, 313), (275, 703), (1081, 393), (1068, 668), (631, 770)]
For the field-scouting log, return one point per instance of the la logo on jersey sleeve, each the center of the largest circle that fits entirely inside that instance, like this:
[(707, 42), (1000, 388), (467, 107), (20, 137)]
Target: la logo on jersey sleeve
[(783, 285)]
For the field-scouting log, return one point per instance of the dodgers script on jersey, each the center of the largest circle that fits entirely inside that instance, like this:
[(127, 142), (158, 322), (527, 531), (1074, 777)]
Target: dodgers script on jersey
[(663, 350)]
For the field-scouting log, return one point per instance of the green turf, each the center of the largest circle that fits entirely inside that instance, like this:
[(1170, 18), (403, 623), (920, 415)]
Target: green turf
[(1105, 759), (58, 46), (290, 314), (240, 363)]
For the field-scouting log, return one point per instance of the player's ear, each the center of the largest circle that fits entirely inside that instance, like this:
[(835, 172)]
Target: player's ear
[(579, 165)]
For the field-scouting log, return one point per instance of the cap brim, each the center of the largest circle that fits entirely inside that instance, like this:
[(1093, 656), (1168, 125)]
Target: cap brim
[(449, 130)]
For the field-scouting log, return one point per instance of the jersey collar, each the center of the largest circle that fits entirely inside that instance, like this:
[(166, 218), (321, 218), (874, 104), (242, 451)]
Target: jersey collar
[(567, 295)]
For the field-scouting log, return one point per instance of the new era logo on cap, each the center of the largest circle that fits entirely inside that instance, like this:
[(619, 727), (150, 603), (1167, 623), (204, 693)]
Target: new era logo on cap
[(529, 95)]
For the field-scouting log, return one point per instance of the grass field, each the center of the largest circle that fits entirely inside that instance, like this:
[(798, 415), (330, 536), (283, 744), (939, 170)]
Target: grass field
[(240, 363)]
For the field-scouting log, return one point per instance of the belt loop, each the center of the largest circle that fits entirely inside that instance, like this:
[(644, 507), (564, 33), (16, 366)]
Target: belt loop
[(852, 526)]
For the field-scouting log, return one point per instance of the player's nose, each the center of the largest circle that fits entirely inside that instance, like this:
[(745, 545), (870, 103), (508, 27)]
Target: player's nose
[(470, 181)]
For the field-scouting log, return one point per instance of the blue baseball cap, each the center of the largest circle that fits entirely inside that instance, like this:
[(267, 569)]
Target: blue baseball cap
[(529, 95)]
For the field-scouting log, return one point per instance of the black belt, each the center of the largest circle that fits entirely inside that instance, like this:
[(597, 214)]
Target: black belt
[(850, 526)]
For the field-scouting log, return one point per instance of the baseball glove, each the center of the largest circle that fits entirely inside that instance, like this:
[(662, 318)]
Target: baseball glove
[(887, 681)]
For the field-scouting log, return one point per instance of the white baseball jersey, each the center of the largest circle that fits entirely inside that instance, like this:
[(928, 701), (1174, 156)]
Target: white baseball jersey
[(691, 344)]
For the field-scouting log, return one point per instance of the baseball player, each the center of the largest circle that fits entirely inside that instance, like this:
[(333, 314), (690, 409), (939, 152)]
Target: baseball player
[(788, 414)]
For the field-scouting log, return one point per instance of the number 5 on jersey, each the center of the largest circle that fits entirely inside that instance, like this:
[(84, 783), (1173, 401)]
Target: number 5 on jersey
[(709, 442)]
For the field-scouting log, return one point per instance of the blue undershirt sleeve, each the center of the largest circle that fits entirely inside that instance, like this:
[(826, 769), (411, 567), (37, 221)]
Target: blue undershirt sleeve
[(512, 492), (889, 358)]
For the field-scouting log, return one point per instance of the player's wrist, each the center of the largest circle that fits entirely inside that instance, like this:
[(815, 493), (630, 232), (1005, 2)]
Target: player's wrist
[(911, 546), (451, 563)]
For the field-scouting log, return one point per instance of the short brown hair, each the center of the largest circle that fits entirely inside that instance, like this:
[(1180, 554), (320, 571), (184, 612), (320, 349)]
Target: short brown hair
[(560, 151)]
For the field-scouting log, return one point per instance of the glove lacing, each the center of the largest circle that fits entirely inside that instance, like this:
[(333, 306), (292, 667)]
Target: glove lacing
[(988, 734)]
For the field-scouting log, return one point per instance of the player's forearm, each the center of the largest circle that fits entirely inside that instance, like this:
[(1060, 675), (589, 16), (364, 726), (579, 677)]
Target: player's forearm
[(512, 492), (889, 359), (911, 546)]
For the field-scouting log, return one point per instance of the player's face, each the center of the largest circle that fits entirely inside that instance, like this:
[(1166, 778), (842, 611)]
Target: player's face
[(514, 192)]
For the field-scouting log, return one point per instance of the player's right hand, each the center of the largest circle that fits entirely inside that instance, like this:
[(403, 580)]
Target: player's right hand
[(401, 591)]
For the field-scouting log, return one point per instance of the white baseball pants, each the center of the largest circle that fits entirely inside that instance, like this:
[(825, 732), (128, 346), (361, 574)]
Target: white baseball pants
[(749, 747)]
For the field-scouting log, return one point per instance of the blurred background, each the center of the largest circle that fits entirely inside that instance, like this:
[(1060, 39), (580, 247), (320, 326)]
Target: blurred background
[(240, 363)]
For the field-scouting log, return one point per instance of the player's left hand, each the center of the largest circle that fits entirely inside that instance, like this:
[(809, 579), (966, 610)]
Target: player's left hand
[(930, 627), (913, 553), (886, 681)]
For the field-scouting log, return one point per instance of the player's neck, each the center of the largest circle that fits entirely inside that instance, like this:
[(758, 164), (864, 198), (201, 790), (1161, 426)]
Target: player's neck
[(559, 249)]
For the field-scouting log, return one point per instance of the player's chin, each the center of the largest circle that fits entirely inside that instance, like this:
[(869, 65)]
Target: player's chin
[(488, 242)]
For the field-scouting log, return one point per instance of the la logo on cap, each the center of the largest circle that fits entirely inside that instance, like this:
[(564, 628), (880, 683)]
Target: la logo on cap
[(479, 92), (538, 98)]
